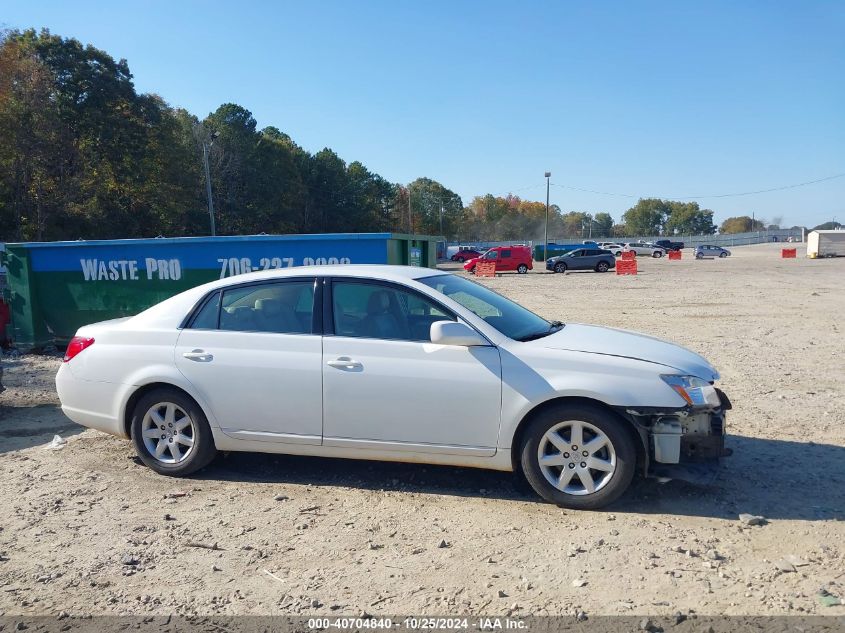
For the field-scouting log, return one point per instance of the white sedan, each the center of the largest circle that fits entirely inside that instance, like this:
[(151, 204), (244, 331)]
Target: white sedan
[(393, 363), (644, 248)]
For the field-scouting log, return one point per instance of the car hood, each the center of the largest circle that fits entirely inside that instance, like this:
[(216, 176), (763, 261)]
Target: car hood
[(594, 339)]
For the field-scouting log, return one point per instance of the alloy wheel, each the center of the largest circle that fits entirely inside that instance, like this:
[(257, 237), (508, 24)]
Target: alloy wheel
[(576, 457), (168, 433)]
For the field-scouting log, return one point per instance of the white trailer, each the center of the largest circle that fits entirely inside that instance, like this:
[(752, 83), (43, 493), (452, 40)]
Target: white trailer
[(826, 244)]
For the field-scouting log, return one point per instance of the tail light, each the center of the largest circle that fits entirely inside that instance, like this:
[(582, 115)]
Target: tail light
[(76, 345)]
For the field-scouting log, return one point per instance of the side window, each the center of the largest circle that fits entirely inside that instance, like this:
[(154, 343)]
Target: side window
[(206, 318), (365, 310), (281, 308), (506, 254), (491, 255)]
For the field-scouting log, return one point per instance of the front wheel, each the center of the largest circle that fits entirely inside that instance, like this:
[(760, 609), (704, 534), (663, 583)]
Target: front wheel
[(171, 434), (619, 253), (522, 269), (578, 456), (472, 270), (560, 267), (602, 267), (699, 256)]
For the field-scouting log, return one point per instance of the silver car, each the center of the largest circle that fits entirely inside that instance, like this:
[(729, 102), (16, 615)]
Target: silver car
[(711, 251)]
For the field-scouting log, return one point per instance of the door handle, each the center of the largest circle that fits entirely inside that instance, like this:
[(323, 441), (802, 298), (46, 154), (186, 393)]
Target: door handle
[(199, 356), (344, 362)]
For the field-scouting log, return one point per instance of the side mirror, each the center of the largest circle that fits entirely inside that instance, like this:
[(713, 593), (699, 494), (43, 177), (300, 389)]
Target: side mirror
[(454, 333)]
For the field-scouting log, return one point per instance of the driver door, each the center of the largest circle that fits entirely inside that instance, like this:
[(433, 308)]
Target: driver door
[(387, 387)]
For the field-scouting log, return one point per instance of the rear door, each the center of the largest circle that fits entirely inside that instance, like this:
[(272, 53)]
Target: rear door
[(590, 259), (254, 353)]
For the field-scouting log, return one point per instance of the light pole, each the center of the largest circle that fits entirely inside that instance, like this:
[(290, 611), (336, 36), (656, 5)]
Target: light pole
[(205, 149), (410, 217), (441, 218), (546, 232)]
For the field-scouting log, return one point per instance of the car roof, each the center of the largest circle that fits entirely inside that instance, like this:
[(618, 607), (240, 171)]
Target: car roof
[(379, 271), (174, 309)]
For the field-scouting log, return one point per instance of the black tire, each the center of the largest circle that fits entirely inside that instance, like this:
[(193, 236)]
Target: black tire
[(472, 270), (722, 255), (602, 267), (201, 453), (699, 256), (657, 254), (522, 269), (619, 253), (560, 267), (455, 258), (613, 427)]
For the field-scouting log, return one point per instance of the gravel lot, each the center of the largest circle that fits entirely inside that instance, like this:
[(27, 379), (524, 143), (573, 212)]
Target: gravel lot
[(88, 530)]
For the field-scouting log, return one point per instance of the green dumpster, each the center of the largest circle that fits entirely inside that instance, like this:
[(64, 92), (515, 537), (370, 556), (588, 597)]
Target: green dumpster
[(57, 287)]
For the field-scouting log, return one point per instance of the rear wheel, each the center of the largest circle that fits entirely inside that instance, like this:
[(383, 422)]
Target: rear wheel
[(602, 267), (578, 456), (171, 434), (619, 253), (522, 269), (722, 255), (657, 254), (560, 267)]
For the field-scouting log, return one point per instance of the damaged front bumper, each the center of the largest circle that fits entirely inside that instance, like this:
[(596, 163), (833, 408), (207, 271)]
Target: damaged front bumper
[(684, 444)]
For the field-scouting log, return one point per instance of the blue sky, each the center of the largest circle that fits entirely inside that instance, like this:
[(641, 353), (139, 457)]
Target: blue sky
[(640, 98)]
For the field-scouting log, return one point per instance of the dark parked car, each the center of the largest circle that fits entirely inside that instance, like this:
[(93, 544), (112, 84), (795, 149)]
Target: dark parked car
[(669, 245), (597, 259), (710, 251)]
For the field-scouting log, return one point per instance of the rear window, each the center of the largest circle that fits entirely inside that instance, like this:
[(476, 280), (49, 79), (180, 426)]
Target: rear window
[(206, 318)]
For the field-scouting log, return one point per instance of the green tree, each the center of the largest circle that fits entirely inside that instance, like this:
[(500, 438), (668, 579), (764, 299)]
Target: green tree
[(826, 226), (602, 225), (687, 218), (741, 224), (647, 217), (431, 201)]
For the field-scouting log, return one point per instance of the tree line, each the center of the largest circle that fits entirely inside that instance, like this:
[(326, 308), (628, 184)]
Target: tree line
[(84, 155)]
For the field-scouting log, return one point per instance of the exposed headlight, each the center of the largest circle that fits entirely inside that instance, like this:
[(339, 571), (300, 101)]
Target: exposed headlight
[(695, 391)]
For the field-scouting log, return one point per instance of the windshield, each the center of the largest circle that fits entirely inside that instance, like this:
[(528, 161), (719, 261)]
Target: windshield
[(510, 318)]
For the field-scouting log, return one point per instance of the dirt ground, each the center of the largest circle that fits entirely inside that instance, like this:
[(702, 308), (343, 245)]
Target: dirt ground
[(88, 530)]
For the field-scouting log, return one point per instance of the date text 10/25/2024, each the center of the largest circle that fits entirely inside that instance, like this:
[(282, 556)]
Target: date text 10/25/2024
[(412, 623)]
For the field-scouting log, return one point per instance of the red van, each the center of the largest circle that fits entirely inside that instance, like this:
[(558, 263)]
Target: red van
[(516, 258)]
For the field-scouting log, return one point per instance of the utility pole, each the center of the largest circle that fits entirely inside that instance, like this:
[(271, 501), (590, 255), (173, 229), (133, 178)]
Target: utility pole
[(205, 149), (546, 232), (441, 217), (410, 217)]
